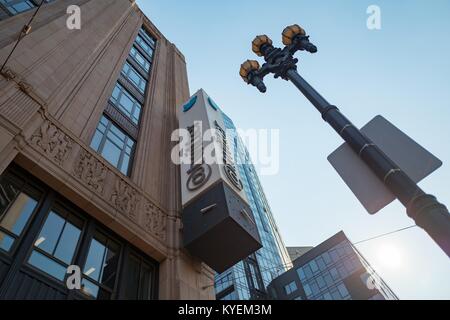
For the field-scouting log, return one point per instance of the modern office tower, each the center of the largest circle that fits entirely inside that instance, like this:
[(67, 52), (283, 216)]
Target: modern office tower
[(249, 279), (333, 270), (86, 177)]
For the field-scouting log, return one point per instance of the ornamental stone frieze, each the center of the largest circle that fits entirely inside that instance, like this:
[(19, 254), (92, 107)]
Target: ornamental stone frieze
[(93, 172), (125, 199), (90, 171), (52, 142), (155, 220)]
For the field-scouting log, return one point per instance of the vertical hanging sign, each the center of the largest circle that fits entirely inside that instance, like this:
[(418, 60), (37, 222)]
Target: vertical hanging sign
[(218, 224)]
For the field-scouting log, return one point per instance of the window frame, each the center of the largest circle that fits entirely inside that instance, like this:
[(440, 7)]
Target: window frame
[(103, 140), (9, 6), (134, 51), (130, 253), (148, 38), (89, 239), (57, 207), (33, 3), (33, 192), (141, 39), (225, 281), (290, 288), (51, 201), (126, 75), (136, 103)]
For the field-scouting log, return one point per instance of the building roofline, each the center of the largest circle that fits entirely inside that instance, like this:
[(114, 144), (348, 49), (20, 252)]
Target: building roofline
[(319, 249), (151, 26)]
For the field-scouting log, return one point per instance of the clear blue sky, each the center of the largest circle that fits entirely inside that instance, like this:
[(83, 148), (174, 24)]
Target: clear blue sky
[(401, 71)]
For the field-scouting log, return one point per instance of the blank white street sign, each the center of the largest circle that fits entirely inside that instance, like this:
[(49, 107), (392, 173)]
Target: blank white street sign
[(412, 158)]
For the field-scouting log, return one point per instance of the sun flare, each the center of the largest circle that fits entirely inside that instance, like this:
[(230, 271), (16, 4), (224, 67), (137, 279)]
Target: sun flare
[(390, 256)]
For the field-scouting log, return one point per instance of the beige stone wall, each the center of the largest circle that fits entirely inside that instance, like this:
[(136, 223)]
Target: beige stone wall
[(52, 95)]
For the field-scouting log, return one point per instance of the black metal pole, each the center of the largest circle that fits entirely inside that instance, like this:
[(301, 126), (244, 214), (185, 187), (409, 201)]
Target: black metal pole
[(424, 209)]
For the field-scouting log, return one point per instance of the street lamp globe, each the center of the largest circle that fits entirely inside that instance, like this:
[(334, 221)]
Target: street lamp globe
[(259, 42), (290, 32), (247, 67)]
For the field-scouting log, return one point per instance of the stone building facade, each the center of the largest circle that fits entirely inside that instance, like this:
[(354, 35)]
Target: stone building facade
[(55, 93)]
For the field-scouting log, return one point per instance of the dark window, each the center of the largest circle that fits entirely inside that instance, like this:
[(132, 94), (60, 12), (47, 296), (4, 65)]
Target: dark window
[(308, 272), (321, 282), (113, 144), (334, 255), (253, 272), (313, 265), (335, 294), (253, 275), (144, 45), (342, 272), (321, 264), (56, 244), (135, 78), (140, 279), (100, 270), (327, 258), (290, 288), (49, 234), (18, 6), (307, 289), (147, 37), (126, 103), (140, 59), (334, 273), (314, 287), (16, 209), (329, 281), (343, 291), (224, 282), (327, 296), (301, 274)]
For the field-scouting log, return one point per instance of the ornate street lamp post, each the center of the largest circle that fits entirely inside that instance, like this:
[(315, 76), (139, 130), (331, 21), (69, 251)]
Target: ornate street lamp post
[(423, 208)]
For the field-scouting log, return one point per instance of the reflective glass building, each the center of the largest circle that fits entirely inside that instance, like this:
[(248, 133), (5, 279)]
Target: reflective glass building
[(249, 279), (333, 270)]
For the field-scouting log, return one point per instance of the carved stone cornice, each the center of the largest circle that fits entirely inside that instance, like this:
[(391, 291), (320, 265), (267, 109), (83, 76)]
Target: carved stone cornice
[(125, 199), (154, 220), (91, 171), (52, 142), (94, 173)]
